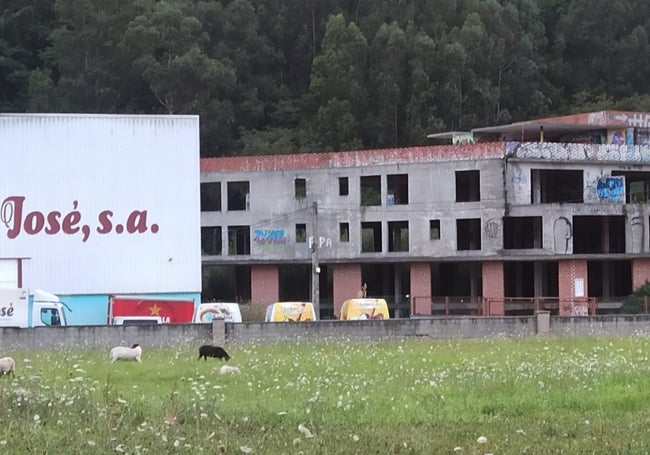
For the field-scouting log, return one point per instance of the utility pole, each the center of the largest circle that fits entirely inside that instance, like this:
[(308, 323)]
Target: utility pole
[(315, 268)]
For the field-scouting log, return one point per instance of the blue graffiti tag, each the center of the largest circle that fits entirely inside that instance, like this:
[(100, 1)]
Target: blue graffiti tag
[(268, 237), (611, 189)]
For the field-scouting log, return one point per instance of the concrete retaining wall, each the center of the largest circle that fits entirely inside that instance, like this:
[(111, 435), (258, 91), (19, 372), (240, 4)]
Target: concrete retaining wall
[(104, 337)]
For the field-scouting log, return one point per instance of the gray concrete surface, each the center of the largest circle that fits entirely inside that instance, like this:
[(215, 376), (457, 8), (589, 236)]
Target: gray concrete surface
[(434, 328)]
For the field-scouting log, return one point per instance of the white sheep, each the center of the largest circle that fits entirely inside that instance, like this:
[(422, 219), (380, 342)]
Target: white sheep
[(124, 353), (227, 369), (7, 366)]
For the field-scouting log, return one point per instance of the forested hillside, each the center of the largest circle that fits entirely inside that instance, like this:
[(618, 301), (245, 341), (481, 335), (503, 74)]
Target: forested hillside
[(286, 76)]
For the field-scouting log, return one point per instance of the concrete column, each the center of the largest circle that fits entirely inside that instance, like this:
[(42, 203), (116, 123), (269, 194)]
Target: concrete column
[(265, 284), (346, 280), (420, 289), (218, 332), (493, 288), (572, 277), (543, 323)]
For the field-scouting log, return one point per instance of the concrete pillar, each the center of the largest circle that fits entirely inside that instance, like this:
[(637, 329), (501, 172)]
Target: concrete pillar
[(573, 286), (493, 288), (346, 280), (265, 284), (543, 323), (420, 289), (218, 332)]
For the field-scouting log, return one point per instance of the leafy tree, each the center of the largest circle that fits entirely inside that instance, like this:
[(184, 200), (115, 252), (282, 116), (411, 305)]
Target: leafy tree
[(25, 27), (339, 82)]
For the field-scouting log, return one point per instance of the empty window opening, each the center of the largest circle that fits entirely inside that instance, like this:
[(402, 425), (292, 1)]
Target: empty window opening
[(211, 241), (398, 236), (551, 186), (610, 282), (301, 188), (238, 196), (637, 186), (371, 237), (344, 189), (398, 189), (370, 190), (301, 233), (239, 240), (468, 186), (211, 197), (457, 279), (344, 232), (468, 234), (434, 229), (530, 279), (598, 234), (523, 232)]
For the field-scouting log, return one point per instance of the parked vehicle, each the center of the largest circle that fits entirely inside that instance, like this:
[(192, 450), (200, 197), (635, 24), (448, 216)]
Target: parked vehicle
[(290, 312), (19, 309), (127, 309), (206, 312), (359, 309)]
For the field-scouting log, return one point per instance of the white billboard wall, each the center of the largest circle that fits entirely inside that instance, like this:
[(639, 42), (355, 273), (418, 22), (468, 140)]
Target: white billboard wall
[(98, 204)]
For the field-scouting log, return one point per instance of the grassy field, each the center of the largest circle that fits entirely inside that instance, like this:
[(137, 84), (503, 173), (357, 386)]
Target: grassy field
[(421, 397)]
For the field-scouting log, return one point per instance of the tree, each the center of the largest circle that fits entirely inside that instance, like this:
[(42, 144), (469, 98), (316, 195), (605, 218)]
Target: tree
[(339, 83)]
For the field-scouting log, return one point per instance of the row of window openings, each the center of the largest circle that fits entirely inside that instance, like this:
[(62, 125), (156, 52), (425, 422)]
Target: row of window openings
[(547, 187), (371, 238), (590, 234), (238, 197)]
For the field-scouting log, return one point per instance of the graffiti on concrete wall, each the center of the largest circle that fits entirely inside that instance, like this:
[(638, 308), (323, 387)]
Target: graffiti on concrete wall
[(638, 234), (270, 237), (562, 233), (323, 242), (611, 189), (491, 228)]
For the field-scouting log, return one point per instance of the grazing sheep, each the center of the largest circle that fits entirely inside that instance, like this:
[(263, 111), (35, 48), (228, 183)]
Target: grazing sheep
[(206, 351), (7, 366), (226, 369), (124, 353)]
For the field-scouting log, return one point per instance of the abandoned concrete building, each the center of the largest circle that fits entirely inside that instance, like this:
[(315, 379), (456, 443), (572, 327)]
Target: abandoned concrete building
[(550, 214)]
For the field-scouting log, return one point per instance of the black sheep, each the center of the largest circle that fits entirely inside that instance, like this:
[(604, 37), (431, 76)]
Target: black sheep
[(206, 351)]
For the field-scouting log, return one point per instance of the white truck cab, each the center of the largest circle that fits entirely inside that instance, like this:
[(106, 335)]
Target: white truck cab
[(19, 309)]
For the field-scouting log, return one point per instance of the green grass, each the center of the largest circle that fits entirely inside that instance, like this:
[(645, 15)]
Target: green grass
[(420, 397)]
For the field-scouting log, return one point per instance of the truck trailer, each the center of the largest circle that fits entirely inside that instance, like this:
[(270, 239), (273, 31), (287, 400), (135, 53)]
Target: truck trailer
[(136, 310)]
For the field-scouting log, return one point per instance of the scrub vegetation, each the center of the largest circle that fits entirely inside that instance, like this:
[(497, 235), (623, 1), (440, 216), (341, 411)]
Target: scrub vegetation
[(423, 396)]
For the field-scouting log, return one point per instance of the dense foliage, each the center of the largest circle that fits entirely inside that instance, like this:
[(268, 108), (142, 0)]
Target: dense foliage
[(316, 75)]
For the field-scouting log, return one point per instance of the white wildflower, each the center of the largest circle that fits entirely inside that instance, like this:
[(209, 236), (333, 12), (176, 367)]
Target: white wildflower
[(481, 440), (37, 418), (355, 438), (458, 449)]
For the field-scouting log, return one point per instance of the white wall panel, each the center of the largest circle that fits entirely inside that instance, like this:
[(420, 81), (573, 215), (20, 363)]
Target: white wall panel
[(94, 164)]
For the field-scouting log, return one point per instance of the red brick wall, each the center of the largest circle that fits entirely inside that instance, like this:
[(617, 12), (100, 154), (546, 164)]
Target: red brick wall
[(421, 288), (640, 272), (493, 288), (265, 284), (568, 271), (346, 279)]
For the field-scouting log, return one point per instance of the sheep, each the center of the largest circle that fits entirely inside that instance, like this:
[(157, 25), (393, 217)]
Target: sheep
[(124, 353), (226, 369), (7, 366), (206, 351)]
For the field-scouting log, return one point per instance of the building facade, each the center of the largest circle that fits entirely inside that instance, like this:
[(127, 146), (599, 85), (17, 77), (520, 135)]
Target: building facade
[(549, 214)]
